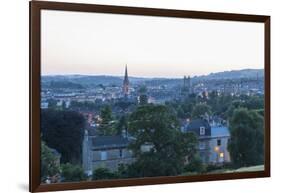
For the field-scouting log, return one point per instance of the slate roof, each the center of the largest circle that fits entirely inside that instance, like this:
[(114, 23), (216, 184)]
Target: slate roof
[(109, 142), (197, 123)]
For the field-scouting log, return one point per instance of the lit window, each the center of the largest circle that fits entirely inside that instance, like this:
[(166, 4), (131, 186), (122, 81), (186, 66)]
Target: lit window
[(221, 154), (216, 149), (202, 130), (103, 155)]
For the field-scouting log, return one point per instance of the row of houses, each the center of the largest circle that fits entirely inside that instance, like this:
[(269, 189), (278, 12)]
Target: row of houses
[(111, 151)]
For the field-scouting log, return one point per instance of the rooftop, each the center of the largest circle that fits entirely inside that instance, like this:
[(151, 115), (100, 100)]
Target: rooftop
[(109, 142), (219, 131)]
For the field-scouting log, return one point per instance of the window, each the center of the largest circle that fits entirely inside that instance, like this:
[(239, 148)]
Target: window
[(202, 130), (103, 155), (120, 153), (219, 142), (201, 145), (221, 157)]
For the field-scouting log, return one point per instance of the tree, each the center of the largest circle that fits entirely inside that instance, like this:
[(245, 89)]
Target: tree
[(255, 102), (122, 124), (246, 144), (233, 106), (195, 165), (106, 127), (103, 173), (72, 173), (49, 162), (200, 110), (157, 127), (63, 131)]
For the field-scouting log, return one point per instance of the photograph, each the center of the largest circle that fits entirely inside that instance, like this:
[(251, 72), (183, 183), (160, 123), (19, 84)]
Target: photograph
[(136, 96)]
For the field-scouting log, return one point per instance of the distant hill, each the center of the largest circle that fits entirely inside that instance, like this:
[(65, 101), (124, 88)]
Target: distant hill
[(88, 80), (235, 74)]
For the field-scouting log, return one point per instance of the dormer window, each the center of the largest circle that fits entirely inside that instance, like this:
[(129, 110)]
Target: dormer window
[(202, 130)]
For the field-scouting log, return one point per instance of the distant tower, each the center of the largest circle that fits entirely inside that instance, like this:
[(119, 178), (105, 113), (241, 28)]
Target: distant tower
[(189, 85), (184, 82), (126, 83)]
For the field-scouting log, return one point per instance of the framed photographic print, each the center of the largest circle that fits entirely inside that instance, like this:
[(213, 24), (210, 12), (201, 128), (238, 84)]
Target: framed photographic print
[(123, 96)]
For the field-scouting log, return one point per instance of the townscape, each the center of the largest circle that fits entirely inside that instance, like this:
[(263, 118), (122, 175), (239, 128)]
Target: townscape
[(116, 127)]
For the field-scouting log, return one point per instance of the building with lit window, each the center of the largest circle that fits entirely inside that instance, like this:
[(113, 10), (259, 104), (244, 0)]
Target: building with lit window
[(213, 140)]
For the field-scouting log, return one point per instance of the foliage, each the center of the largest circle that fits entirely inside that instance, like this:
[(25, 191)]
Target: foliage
[(122, 124), (49, 162), (63, 131), (72, 173), (200, 110), (85, 105), (246, 145), (255, 102), (195, 165), (157, 126), (103, 173), (107, 127), (213, 167)]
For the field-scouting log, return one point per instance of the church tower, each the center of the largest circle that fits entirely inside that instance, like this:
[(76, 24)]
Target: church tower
[(126, 83), (187, 87)]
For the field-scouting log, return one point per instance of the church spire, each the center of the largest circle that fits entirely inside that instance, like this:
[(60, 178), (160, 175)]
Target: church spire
[(126, 83)]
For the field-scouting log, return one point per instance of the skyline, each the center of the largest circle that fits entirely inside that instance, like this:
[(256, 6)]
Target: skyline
[(122, 75), (102, 44)]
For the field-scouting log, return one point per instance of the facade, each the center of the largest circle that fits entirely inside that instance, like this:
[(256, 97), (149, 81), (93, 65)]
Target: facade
[(105, 151), (213, 140)]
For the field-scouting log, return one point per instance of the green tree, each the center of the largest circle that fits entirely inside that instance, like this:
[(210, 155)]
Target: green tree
[(255, 102), (200, 110), (246, 144), (107, 124), (103, 173), (195, 165), (233, 106), (72, 173), (49, 162), (157, 127), (63, 131), (122, 124)]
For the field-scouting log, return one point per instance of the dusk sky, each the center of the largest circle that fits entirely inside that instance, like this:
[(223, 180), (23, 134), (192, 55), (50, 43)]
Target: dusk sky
[(102, 44)]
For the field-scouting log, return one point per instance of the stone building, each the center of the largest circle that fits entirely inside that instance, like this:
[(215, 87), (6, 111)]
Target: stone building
[(105, 151), (213, 140)]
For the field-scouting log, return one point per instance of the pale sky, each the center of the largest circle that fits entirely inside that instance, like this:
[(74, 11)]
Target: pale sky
[(102, 44)]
